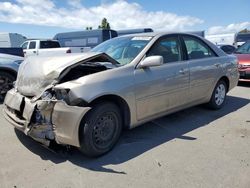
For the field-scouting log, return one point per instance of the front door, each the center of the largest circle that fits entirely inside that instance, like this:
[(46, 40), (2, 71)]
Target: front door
[(162, 88), (32, 49)]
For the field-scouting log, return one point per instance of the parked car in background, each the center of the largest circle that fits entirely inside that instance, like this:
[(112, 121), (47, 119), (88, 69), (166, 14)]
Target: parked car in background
[(229, 49), (85, 100), (243, 55), (47, 47), (8, 71)]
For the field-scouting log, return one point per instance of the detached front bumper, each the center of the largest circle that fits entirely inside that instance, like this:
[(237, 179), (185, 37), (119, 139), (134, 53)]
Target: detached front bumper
[(44, 120)]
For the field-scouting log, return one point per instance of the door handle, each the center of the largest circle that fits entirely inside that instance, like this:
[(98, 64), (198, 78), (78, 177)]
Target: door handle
[(34, 52)]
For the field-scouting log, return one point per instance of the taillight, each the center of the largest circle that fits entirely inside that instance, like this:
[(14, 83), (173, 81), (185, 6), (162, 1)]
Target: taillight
[(68, 51)]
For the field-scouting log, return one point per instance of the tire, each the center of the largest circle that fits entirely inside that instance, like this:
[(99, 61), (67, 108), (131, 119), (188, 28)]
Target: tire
[(6, 83), (100, 129), (218, 97)]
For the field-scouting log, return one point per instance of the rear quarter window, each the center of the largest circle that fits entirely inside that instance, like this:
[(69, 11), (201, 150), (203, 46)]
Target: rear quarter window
[(49, 44)]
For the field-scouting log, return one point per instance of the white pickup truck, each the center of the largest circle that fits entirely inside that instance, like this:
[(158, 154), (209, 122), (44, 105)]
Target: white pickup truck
[(48, 47)]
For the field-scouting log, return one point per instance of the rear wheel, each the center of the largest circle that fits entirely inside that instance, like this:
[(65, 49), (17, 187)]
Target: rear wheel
[(6, 83), (100, 129), (219, 95)]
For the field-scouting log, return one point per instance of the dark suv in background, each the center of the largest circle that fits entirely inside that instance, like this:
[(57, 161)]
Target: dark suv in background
[(9, 65)]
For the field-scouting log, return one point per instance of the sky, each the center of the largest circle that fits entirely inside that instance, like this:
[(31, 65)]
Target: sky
[(45, 18)]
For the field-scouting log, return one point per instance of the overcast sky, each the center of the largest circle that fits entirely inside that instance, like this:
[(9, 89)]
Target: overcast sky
[(45, 18)]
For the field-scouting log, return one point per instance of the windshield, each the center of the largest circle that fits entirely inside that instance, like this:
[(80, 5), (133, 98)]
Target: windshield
[(244, 49), (123, 49)]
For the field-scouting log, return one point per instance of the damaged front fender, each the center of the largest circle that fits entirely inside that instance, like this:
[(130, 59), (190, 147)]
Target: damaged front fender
[(67, 120)]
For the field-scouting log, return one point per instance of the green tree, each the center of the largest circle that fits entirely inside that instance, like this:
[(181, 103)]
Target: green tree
[(245, 31), (104, 24)]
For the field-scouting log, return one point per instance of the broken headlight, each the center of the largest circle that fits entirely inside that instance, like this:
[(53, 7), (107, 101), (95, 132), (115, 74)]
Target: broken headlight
[(62, 94), (46, 95)]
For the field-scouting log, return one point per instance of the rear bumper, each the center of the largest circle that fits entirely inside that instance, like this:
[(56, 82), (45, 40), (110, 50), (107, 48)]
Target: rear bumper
[(57, 120)]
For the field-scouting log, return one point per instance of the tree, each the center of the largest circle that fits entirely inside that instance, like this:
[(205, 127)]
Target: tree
[(104, 24), (245, 31)]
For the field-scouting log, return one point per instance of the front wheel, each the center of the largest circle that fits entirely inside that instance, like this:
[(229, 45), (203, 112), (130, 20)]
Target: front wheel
[(219, 95), (100, 129)]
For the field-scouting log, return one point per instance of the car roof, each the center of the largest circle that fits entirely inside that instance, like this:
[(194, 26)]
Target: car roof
[(154, 34)]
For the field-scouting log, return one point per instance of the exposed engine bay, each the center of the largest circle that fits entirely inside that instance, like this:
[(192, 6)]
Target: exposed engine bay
[(85, 69)]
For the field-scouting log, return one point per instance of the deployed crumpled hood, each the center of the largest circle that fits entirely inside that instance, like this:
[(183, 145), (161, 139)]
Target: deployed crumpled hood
[(37, 73)]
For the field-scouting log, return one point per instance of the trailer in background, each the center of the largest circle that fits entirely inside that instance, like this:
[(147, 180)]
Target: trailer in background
[(85, 39), (11, 40), (133, 31), (222, 39), (241, 38), (199, 33)]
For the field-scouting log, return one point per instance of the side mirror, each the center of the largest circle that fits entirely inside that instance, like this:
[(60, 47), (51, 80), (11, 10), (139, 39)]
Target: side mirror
[(151, 61)]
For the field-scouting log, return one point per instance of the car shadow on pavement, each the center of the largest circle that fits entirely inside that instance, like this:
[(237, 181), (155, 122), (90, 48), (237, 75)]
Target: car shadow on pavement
[(135, 142)]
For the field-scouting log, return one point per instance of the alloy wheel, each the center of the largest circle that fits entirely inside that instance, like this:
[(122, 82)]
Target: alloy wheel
[(220, 94)]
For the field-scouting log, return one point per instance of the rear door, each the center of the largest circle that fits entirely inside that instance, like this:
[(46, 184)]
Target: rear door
[(162, 88), (204, 67)]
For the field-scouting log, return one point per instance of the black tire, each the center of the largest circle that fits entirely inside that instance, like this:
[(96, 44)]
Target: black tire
[(218, 97), (100, 129), (6, 83)]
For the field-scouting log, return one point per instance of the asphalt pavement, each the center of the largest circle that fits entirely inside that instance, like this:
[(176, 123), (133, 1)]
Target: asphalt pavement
[(195, 147)]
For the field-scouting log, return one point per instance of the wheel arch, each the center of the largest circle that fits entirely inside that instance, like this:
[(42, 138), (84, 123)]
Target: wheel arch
[(120, 102), (226, 80)]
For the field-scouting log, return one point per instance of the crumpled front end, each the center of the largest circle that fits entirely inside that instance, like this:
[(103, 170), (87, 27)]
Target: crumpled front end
[(45, 119)]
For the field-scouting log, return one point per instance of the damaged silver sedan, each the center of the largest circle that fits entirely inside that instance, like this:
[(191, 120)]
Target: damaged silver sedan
[(85, 100)]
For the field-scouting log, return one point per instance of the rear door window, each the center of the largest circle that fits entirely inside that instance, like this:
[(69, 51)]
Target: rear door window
[(197, 49)]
